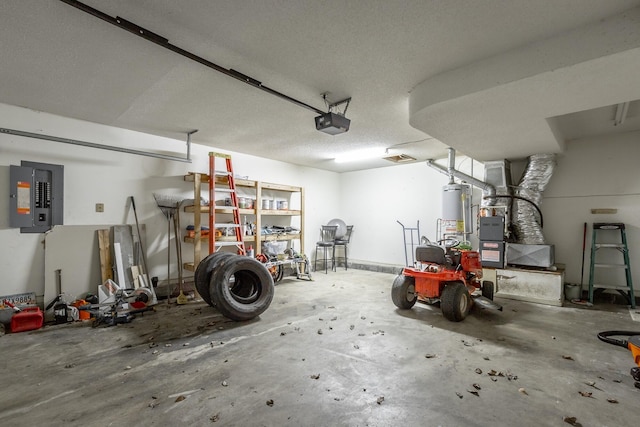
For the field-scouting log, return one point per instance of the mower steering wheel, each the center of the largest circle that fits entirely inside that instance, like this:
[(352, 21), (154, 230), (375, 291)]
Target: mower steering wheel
[(449, 242)]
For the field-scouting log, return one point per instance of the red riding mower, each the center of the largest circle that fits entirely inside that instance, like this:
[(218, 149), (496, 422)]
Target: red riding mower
[(447, 275)]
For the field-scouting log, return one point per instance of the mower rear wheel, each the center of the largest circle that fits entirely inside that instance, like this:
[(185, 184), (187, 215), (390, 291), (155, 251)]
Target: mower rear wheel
[(403, 292), (455, 301), (488, 289)]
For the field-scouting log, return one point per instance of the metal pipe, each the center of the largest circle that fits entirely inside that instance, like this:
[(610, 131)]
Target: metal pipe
[(92, 145), (189, 143), (163, 42), (452, 164), (488, 189)]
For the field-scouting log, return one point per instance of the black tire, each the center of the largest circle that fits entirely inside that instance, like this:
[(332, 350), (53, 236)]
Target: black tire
[(488, 289), (279, 274), (202, 275), (241, 287), (455, 301), (403, 292)]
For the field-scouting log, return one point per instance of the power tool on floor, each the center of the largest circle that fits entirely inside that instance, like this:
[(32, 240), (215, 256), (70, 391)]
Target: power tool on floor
[(632, 344)]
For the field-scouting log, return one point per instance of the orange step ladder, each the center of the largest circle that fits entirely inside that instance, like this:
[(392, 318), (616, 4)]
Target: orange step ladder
[(227, 179)]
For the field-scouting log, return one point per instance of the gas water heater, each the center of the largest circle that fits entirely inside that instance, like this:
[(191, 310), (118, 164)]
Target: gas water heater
[(456, 210)]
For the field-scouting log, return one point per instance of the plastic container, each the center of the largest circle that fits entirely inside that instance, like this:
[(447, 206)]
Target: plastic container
[(572, 291), (283, 205), (28, 319)]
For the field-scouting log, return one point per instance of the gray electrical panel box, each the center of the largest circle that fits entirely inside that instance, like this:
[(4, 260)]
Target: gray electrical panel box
[(35, 196)]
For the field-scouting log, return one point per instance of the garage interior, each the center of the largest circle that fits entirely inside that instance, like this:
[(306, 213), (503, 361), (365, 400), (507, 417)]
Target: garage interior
[(438, 133)]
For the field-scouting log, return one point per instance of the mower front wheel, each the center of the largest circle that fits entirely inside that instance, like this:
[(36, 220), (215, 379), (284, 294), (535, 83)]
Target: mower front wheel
[(488, 289), (455, 301), (403, 292)]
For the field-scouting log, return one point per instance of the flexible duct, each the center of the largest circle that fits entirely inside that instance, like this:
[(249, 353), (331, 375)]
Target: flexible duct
[(526, 224)]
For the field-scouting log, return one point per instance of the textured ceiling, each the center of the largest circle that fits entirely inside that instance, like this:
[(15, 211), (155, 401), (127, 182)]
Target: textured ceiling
[(386, 55)]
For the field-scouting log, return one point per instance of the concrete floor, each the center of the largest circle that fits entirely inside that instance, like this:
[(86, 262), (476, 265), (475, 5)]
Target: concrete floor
[(331, 352)]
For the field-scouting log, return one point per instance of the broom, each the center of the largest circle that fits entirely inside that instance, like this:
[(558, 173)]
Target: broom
[(168, 206), (182, 298)]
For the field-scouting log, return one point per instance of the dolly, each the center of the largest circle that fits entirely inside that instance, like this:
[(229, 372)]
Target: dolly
[(446, 275), (632, 344)]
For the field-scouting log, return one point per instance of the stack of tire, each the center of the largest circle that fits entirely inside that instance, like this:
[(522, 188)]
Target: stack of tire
[(240, 287)]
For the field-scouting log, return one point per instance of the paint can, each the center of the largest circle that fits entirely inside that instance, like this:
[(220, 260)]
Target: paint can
[(265, 203), (283, 205)]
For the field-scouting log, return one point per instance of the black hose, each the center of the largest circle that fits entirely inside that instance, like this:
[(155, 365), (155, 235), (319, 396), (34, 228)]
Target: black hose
[(520, 198), (605, 337)]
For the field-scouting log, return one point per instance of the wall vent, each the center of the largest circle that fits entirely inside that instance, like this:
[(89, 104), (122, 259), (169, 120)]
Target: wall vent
[(400, 158)]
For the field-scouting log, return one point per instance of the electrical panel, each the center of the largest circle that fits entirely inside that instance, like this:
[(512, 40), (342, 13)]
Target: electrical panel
[(35, 196)]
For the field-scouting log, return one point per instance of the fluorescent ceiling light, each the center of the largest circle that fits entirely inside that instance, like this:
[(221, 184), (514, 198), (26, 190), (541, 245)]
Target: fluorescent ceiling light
[(365, 154)]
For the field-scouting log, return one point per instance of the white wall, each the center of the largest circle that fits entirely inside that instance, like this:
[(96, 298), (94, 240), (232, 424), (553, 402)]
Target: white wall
[(98, 176), (593, 173), (374, 200)]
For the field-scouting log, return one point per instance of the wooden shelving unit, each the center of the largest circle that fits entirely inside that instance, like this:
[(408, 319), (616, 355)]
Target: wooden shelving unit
[(258, 190)]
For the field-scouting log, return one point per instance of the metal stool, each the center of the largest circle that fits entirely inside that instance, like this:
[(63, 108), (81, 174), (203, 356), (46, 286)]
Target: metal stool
[(326, 242), (343, 241)]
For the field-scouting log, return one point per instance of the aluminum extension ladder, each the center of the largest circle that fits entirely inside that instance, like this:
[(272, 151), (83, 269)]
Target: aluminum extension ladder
[(621, 246), (223, 177)]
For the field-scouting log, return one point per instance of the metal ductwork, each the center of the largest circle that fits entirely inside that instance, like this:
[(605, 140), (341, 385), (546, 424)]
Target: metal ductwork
[(488, 190), (526, 223)]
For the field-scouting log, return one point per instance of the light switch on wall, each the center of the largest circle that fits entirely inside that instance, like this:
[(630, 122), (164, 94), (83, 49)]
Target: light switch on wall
[(99, 207)]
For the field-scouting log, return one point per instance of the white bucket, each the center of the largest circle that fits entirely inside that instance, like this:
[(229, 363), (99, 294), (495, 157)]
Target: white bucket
[(572, 291)]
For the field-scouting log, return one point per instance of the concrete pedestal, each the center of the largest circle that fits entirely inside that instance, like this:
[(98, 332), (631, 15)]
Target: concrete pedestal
[(542, 287)]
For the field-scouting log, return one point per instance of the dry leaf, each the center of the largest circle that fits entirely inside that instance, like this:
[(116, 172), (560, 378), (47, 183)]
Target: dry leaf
[(474, 392), (429, 355), (478, 371), (567, 357), (477, 386), (270, 402), (315, 377), (570, 420), (215, 418), (612, 400), (523, 391), (380, 400), (180, 398), (585, 393), (492, 373), (459, 395)]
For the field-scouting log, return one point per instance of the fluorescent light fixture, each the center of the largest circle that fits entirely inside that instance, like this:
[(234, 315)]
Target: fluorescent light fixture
[(365, 154)]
